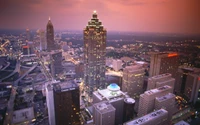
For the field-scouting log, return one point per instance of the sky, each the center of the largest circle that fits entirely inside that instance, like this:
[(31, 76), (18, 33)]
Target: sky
[(164, 16)]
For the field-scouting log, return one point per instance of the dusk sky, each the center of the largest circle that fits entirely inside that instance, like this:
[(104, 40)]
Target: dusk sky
[(167, 16)]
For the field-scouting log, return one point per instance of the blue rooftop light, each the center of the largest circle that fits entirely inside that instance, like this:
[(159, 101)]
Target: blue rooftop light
[(113, 87)]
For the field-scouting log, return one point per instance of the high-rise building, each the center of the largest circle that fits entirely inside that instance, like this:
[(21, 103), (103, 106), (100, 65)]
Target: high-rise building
[(94, 56), (50, 36), (147, 100), (181, 78), (132, 80), (63, 102), (166, 102), (104, 113), (158, 117), (115, 97), (117, 64), (43, 43), (160, 80), (161, 63), (128, 112), (28, 35), (56, 63)]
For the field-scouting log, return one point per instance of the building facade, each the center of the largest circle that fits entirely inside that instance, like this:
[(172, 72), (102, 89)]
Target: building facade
[(161, 63), (132, 80), (104, 113), (56, 63), (147, 100), (94, 56), (50, 36)]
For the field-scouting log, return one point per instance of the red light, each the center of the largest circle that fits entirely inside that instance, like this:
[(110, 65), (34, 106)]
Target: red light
[(199, 79), (172, 55), (24, 47)]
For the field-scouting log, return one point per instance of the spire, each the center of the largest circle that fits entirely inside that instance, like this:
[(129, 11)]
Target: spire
[(49, 18), (95, 12)]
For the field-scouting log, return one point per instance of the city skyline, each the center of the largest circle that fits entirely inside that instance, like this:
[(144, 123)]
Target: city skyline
[(164, 16)]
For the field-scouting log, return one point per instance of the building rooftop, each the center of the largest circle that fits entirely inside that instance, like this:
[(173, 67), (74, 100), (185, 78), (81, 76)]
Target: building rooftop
[(182, 123), (165, 97), (129, 100), (147, 118), (104, 107), (156, 90), (65, 86), (162, 76)]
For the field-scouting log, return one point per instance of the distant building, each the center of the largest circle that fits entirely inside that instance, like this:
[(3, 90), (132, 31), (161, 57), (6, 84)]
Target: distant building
[(104, 113), (160, 80), (166, 102), (158, 117), (43, 43), (63, 103), (147, 100), (132, 80), (115, 97), (50, 36), (161, 63), (94, 56), (28, 35), (56, 63), (117, 64), (128, 112)]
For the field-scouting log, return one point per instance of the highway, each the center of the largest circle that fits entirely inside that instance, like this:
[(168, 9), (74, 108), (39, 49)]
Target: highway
[(17, 69)]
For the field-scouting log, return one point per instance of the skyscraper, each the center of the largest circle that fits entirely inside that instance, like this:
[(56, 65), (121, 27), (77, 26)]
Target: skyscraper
[(133, 79), (43, 43), (50, 36), (94, 56), (147, 100), (63, 103), (28, 35), (56, 63), (104, 113), (160, 80), (164, 63)]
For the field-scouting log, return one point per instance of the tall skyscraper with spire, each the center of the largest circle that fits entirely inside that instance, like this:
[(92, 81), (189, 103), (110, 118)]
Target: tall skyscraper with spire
[(94, 56), (50, 36)]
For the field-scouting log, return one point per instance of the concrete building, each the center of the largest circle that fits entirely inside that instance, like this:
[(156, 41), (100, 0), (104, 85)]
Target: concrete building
[(128, 112), (166, 102), (160, 80), (115, 97), (158, 117), (43, 43), (192, 88), (104, 113), (147, 100), (132, 80), (161, 63), (23, 115), (56, 63), (94, 56), (117, 64)]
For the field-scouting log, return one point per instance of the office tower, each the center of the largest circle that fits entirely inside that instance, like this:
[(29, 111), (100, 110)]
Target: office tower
[(94, 56), (132, 80), (50, 36), (181, 78), (160, 80), (192, 88), (166, 102), (158, 117), (104, 113), (115, 97), (147, 100), (117, 64), (26, 50), (50, 104), (66, 103), (128, 112), (28, 35), (56, 63), (43, 44), (164, 63)]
